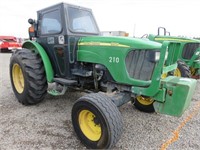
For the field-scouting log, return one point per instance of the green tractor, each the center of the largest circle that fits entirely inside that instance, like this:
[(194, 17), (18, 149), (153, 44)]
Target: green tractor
[(188, 54), (66, 48)]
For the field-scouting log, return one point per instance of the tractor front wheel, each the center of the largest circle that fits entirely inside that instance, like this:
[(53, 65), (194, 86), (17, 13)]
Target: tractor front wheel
[(182, 70), (97, 121), (27, 76), (144, 104)]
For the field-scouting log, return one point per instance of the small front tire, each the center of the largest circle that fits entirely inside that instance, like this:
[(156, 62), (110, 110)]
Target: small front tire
[(144, 104), (97, 121)]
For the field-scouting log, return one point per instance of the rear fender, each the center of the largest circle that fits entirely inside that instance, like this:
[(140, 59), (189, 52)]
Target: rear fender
[(45, 58)]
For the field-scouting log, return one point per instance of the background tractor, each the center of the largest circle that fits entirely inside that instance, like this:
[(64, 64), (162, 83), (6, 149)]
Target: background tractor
[(188, 53), (65, 48)]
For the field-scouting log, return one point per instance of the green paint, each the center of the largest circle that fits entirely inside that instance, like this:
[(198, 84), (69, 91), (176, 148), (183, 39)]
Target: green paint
[(160, 95), (194, 59), (178, 96), (179, 48), (169, 68), (111, 52), (156, 77), (53, 92), (196, 64), (47, 63)]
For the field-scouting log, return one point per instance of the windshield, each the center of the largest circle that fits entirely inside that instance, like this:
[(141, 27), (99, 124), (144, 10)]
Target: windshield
[(81, 21)]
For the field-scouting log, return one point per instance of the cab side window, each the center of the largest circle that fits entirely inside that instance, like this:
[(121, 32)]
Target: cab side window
[(51, 23)]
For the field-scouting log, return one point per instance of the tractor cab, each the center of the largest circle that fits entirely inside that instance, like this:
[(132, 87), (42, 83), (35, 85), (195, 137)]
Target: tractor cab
[(58, 30)]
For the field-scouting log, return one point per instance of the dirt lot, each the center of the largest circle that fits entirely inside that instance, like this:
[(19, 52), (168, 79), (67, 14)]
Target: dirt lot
[(48, 124)]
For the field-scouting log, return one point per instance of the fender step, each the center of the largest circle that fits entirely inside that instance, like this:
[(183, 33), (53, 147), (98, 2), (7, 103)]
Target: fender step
[(55, 92)]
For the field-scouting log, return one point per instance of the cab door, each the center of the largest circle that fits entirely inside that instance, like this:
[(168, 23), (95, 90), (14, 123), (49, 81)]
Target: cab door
[(51, 37)]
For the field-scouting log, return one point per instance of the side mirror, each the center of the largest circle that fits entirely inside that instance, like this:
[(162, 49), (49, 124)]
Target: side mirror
[(31, 21), (32, 29)]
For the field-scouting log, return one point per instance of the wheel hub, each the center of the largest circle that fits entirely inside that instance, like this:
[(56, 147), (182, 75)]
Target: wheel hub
[(164, 75), (90, 125), (177, 73), (193, 71), (18, 78), (145, 100)]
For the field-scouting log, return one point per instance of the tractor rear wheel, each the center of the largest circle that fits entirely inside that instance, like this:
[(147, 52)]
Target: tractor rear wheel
[(182, 70), (144, 104), (97, 121), (27, 76)]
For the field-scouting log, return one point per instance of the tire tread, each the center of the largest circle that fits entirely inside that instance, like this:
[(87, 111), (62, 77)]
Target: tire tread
[(111, 112), (34, 71)]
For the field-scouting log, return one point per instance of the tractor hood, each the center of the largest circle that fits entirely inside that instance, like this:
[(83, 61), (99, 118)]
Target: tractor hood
[(115, 53), (126, 42), (163, 38)]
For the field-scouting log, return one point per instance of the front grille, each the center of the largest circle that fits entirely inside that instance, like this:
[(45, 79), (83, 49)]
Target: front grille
[(189, 49), (173, 53), (138, 65)]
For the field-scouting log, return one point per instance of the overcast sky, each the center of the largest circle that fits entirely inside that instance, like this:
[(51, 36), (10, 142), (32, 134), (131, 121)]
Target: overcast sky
[(138, 17)]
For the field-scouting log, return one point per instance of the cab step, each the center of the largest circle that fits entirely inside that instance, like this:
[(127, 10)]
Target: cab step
[(56, 92), (65, 81)]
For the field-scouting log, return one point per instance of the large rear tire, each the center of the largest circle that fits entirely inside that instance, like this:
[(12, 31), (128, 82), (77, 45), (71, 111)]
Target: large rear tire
[(182, 70), (28, 77), (97, 121)]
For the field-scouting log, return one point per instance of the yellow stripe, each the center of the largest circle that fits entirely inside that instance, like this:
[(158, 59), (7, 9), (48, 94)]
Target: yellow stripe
[(172, 39), (102, 44)]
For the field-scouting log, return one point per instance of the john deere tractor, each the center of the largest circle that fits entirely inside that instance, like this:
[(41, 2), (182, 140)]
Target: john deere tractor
[(65, 48), (188, 54)]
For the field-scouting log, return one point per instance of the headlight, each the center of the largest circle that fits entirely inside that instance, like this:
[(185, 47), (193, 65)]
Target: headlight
[(1, 42), (166, 55), (154, 56), (197, 53), (157, 56)]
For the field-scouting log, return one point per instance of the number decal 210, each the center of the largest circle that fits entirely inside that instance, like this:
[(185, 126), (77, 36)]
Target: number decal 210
[(113, 59)]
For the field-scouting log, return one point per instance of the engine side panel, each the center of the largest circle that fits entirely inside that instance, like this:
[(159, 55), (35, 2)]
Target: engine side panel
[(113, 55)]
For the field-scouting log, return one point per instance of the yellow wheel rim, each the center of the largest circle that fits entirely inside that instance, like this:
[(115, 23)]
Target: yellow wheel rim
[(177, 73), (145, 100), (90, 128), (164, 75), (18, 78), (193, 71)]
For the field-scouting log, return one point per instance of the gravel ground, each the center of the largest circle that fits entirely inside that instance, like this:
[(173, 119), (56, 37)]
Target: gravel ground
[(48, 124)]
